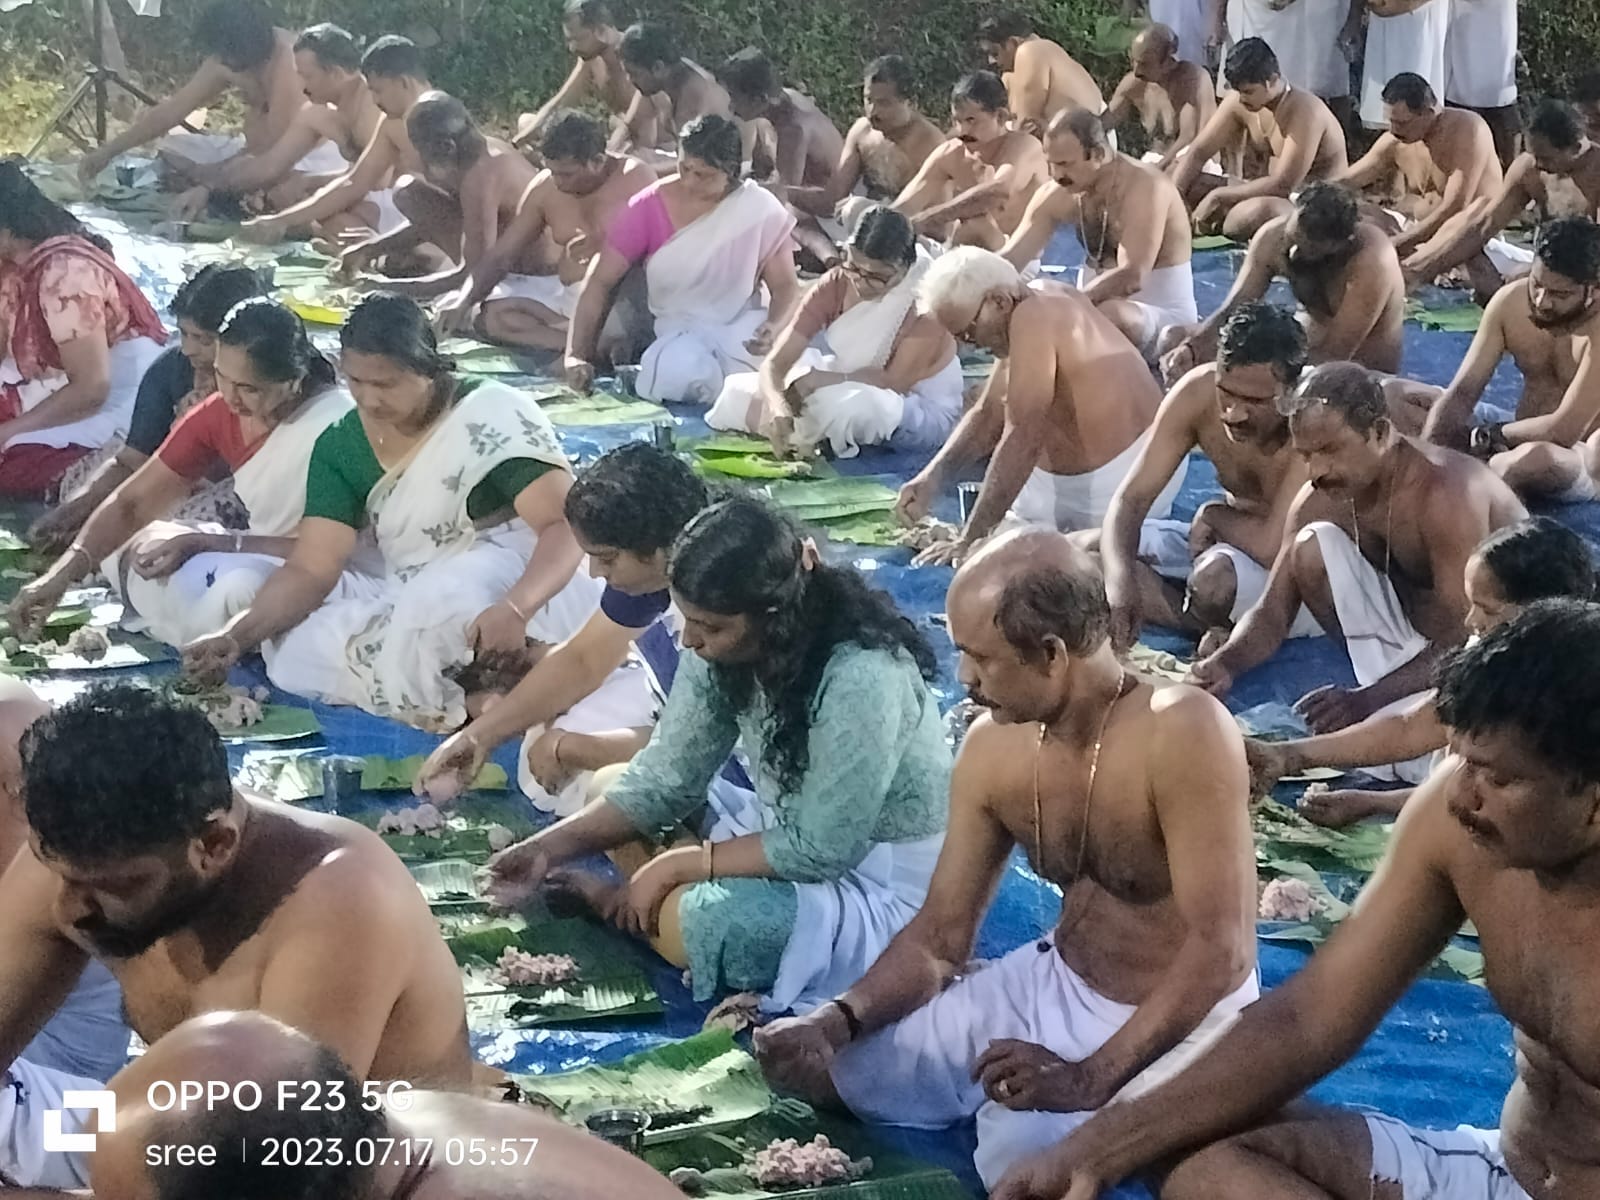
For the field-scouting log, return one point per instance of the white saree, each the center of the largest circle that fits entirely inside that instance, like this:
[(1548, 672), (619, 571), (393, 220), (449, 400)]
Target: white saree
[(210, 589), (388, 653), (704, 289)]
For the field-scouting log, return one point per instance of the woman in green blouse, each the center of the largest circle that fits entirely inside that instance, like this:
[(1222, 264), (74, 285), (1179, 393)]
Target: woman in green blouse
[(794, 890)]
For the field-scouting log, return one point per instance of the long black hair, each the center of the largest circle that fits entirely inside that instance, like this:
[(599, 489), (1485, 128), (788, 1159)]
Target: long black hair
[(397, 328), (276, 341), (741, 557), (1536, 559), (27, 213)]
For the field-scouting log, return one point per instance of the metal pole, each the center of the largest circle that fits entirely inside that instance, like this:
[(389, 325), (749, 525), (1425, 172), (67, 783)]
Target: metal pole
[(97, 54)]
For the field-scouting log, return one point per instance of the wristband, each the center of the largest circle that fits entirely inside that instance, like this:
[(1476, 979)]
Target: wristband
[(852, 1023), (80, 548), (512, 605), (555, 751)]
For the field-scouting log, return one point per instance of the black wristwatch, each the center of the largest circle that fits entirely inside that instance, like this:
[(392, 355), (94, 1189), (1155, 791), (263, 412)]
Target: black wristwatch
[(1485, 440), (852, 1023)]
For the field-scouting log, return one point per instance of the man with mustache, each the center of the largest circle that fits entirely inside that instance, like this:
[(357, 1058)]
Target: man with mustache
[(1092, 774), (1503, 834), (142, 856), (1548, 324), (1383, 531), (1345, 274), (973, 190)]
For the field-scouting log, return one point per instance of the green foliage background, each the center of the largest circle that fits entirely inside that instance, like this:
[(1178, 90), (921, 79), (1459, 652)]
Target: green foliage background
[(504, 55)]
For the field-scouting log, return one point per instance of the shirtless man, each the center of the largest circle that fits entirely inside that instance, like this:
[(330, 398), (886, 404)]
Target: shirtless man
[(1041, 78), (1549, 324), (1390, 589), (973, 190), (142, 856), (471, 189), (883, 151), (571, 201), (243, 53), (1558, 176), (1286, 136), (1172, 99), (670, 91), (1131, 221), (1502, 835), (340, 111), (1093, 775), (1586, 99), (1344, 272), (1203, 576), (363, 198), (1059, 449), (1439, 162), (592, 36), (528, 1152)]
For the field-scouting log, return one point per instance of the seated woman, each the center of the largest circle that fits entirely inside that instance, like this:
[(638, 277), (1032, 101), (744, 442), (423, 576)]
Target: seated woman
[(462, 484), (180, 378), (76, 336), (275, 395), (708, 242), (824, 685), (888, 367), (1535, 559)]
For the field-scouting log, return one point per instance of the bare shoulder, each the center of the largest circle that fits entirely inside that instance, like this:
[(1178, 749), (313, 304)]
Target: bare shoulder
[(1192, 81), (1022, 148), (948, 151), (361, 876), (858, 130), (1190, 399), (1273, 238), (991, 761), (1057, 201), (1189, 718)]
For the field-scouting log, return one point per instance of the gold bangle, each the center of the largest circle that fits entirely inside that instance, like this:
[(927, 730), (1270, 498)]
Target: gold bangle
[(512, 605)]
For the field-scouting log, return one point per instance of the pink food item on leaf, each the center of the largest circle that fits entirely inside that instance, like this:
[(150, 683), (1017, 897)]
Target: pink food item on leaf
[(788, 1163), (518, 968), (1289, 900)]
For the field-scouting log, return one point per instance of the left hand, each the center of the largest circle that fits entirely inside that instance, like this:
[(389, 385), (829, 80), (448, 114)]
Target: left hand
[(653, 883), (944, 554), (551, 774), (1207, 213), (158, 559), (207, 659), (1329, 708), (1025, 1077), (1051, 1174), (761, 340), (497, 628), (191, 205)]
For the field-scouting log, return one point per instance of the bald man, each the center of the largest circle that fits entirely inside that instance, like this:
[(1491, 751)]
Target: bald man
[(1172, 99), (428, 1145), (1094, 775)]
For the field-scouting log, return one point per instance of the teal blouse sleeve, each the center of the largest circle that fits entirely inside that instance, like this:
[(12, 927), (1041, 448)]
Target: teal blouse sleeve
[(667, 780), (825, 829)]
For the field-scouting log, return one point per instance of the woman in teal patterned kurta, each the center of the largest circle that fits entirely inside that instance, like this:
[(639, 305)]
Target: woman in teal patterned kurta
[(799, 884)]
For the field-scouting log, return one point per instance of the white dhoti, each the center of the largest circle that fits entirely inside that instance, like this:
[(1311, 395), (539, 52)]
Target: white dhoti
[(1073, 502), (1164, 548), (1378, 635), (1510, 259), (690, 364), (1437, 1164), (1305, 38), (390, 217), (1186, 18), (324, 158), (918, 1072), (27, 1092), (548, 290), (1167, 298), (1481, 53), (1414, 42), (624, 701), (207, 149)]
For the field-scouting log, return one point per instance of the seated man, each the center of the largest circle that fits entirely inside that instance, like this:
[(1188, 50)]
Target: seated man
[(592, 35), (381, 1143), (973, 190), (364, 196), (1502, 835), (340, 114), (1391, 590), (1041, 78), (882, 153), (244, 53), (1344, 272), (1059, 450), (471, 188), (1283, 136), (670, 92), (143, 857), (1131, 221), (1431, 166), (1548, 324), (571, 202), (1172, 99), (1153, 953), (1203, 577), (1558, 175)]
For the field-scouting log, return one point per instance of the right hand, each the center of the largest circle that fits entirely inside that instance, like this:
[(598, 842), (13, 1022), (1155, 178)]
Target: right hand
[(544, 764), (915, 499), (458, 755), (1269, 762), (356, 259), (1050, 1174), (52, 532), (451, 313), (1122, 593), (516, 874), (33, 606), (191, 205), (1179, 361), (208, 659), (90, 166), (797, 1053), (1210, 675), (579, 374)]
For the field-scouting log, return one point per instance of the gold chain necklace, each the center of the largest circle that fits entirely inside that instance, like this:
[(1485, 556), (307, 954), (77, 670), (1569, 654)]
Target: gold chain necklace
[(1388, 529)]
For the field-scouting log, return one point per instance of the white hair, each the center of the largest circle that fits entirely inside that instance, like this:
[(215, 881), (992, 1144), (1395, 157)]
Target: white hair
[(961, 278)]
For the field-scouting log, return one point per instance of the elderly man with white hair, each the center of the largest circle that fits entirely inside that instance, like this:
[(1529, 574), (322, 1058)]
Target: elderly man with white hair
[(1064, 415)]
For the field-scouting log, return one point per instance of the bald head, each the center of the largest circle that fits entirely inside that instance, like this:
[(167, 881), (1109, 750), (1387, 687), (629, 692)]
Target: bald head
[(1038, 587), (1347, 389), (1153, 52)]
